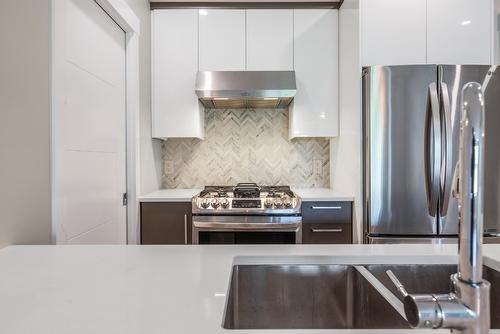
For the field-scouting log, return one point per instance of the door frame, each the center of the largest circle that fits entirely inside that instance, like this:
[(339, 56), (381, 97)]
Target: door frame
[(126, 19)]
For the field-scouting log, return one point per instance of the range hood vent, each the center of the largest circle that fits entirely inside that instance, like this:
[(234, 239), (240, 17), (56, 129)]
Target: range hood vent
[(245, 89)]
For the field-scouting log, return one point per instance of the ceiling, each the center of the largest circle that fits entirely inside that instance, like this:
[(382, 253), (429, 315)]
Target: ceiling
[(246, 3)]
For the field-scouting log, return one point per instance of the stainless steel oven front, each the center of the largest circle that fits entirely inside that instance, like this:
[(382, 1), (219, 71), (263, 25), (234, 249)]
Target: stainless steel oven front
[(239, 229)]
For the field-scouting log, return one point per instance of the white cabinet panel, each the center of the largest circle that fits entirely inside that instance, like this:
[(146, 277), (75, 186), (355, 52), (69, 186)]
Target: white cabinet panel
[(222, 40), (393, 32), (269, 39), (314, 112), (176, 110), (496, 32), (459, 31)]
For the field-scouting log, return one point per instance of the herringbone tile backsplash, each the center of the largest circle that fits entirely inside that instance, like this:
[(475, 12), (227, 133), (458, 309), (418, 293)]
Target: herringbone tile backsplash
[(244, 145)]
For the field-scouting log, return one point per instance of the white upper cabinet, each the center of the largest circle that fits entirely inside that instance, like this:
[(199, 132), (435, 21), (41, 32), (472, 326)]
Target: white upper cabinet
[(393, 32), (314, 112), (175, 107), (459, 31), (269, 39), (396, 32), (222, 40), (185, 41)]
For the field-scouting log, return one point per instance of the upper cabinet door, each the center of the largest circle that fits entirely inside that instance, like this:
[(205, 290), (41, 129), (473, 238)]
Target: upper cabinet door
[(222, 39), (393, 31), (314, 112), (269, 39), (459, 31), (175, 107)]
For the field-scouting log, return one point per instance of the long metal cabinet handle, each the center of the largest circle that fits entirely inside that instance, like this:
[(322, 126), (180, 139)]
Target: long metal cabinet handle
[(326, 207), (185, 229), (432, 155), (326, 230), (447, 160)]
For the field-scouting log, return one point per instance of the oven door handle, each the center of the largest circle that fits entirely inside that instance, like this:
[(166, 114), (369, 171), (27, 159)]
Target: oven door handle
[(219, 226)]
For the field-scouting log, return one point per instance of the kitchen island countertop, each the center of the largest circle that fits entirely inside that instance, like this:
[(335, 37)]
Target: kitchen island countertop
[(161, 289)]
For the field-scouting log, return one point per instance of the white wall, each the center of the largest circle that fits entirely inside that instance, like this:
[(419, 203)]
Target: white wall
[(150, 150), (496, 32), (24, 122), (150, 159), (345, 154)]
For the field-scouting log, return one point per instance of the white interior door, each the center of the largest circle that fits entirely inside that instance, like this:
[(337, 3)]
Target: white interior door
[(90, 125)]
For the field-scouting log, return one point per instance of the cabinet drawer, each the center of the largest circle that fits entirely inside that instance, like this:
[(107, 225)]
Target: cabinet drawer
[(324, 233), (327, 212)]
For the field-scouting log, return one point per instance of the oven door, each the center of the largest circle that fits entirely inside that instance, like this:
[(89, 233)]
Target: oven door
[(247, 229)]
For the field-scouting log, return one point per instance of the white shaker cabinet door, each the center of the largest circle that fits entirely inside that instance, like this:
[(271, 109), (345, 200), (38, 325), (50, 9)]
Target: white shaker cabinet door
[(393, 32), (269, 39), (459, 31), (222, 39), (314, 111), (175, 106)]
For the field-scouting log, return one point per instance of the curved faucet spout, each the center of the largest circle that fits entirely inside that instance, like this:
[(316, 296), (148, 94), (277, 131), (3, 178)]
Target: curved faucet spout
[(470, 183), (467, 308)]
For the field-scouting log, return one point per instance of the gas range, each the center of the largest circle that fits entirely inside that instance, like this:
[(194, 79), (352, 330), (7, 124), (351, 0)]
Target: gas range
[(246, 199)]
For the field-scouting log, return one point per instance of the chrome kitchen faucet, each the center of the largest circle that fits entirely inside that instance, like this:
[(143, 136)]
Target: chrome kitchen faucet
[(466, 309)]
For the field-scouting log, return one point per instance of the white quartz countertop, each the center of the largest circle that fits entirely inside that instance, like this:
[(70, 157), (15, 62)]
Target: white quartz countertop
[(161, 289), (170, 195), (185, 195), (322, 194)]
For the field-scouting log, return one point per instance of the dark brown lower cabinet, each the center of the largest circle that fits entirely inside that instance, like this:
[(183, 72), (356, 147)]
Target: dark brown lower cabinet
[(327, 222), (166, 223)]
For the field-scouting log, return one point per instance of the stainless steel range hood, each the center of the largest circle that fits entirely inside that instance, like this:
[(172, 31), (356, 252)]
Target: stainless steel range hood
[(245, 89)]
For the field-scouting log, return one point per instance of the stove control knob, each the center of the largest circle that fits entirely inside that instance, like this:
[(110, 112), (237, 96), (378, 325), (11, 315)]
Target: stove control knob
[(205, 203), (224, 203), (287, 203), (268, 204), (215, 203), (278, 204)]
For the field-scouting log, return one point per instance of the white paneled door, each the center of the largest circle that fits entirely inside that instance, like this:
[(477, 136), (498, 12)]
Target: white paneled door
[(90, 121)]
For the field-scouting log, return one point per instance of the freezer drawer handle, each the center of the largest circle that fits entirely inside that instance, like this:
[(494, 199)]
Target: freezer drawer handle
[(326, 230), (326, 207)]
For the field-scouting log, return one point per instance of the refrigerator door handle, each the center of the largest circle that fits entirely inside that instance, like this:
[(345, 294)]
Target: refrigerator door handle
[(432, 149), (446, 166)]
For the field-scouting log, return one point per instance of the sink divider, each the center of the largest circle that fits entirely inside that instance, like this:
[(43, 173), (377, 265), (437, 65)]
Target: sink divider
[(388, 295)]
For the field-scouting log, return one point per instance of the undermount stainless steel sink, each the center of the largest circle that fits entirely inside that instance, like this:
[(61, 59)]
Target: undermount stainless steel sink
[(435, 279), (306, 297)]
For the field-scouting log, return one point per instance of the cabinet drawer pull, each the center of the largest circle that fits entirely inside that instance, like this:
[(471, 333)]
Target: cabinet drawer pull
[(326, 207), (326, 230), (185, 230)]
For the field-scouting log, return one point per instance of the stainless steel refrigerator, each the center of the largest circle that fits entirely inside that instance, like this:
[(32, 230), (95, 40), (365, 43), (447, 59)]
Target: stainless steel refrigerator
[(411, 117)]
